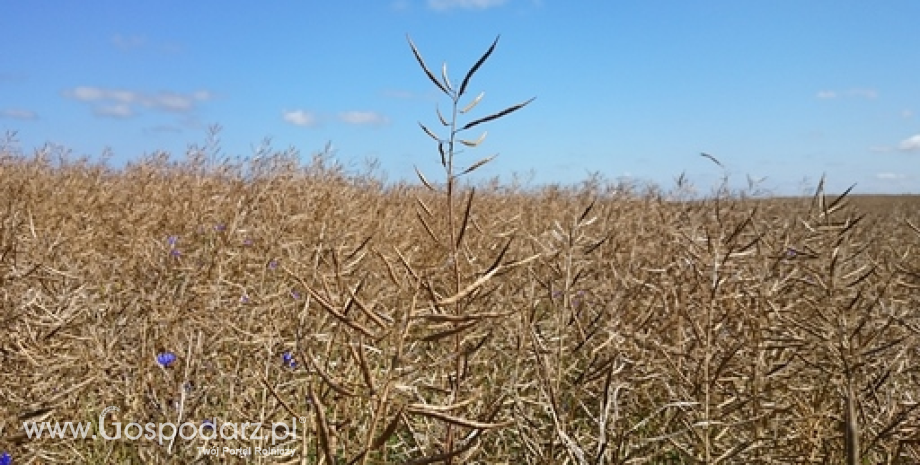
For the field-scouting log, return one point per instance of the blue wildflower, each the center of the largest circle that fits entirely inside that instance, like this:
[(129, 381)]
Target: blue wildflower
[(220, 227), (791, 253), (166, 358), (6, 459), (295, 295), (273, 264), (208, 424), (247, 241), (172, 241), (578, 298), (288, 359), (244, 299)]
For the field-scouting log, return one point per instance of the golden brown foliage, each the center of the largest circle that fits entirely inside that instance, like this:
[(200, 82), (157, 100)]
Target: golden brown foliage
[(586, 325)]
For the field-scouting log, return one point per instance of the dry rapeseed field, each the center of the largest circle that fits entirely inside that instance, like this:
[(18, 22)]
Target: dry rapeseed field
[(590, 324)]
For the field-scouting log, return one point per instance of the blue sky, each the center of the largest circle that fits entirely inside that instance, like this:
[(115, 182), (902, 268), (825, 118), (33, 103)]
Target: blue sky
[(783, 90)]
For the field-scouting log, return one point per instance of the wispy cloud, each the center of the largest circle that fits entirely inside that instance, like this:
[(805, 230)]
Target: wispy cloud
[(17, 113), (363, 117), (135, 43), (442, 5), (127, 43), (890, 176), (863, 93), (125, 103), (300, 118), (907, 113), (853, 93), (116, 110), (911, 144)]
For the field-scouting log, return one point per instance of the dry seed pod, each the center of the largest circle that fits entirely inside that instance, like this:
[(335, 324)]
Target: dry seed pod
[(428, 131), (428, 72), (478, 164), (473, 103), (421, 177), (474, 143), (497, 115), (445, 78), (441, 117), (466, 80)]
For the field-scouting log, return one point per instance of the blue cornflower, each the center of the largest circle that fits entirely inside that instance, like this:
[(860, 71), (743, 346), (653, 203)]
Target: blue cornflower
[(172, 241), (273, 264), (288, 359), (244, 299), (208, 424), (166, 358), (220, 227), (791, 253), (6, 459), (247, 241), (295, 295)]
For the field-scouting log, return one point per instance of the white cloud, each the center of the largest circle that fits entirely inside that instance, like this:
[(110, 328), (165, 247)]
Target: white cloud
[(300, 118), (880, 149), (362, 117), (911, 144), (467, 4), (889, 176), (175, 102), (864, 93), (16, 113), (907, 113), (202, 95), (117, 110), (855, 93), (85, 94), (134, 43), (123, 103)]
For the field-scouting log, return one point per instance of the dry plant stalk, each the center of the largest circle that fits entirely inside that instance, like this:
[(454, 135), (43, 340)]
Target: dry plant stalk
[(619, 325), (464, 298)]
